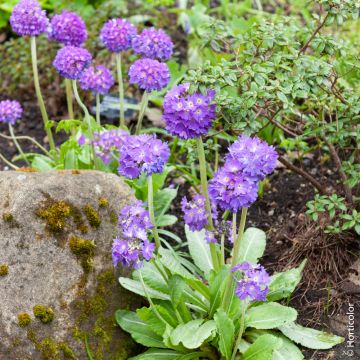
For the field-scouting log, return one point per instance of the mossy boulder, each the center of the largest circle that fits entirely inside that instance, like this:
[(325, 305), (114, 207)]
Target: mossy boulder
[(56, 232)]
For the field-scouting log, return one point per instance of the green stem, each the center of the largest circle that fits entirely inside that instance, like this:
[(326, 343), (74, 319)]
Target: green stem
[(143, 106), (235, 256), (6, 161), (39, 96), (204, 188), (69, 99), (81, 104), (11, 130), (222, 244), (98, 109), (259, 5), (216, 165), (151, 211), (242, 325), (30, 139), (121, 90)]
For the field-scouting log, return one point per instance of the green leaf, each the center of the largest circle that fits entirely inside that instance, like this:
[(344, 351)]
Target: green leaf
[(283, 284), (217, 285), (252, 245), (193, 333), (158, 354), (170, 260), (226, 331), (199, 250), (138, 329), (162, 200), (137, 288), (151, 319), (42, 163), (263, 348), (177, 285), (67, 125), (310, 338), (288, 350), (269, 316), (166, 220), (152, 277)]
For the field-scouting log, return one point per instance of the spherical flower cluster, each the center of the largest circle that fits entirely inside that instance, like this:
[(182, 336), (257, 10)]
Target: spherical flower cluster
[(153, 44), (222, 228), (195, 214), (107, 142), (68, 28), (10, 111), (188, 116), (235, 185), (253, 157), (117, 35), (28, 19), (149, 74), (97, 78), (254, 283), (71, 61), (142, 153), (133, 246)]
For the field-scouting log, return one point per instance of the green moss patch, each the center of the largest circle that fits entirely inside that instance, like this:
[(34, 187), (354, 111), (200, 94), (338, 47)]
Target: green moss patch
[(83, 250), (92, 215), (8, 217), (4, 270), (24, 319), (43, 313), (103, 202)]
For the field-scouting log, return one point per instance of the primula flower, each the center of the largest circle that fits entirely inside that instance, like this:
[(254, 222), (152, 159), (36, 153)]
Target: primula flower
[(188, 115), (107, 142), (117, 35), (254, 283), (71, 61), (252, 157), (195, 214), (97, 78), (68, 28), (153, 44), (231, 190), (133, 246), (28, 19), (142, 153), (10, 111), (149, 74)]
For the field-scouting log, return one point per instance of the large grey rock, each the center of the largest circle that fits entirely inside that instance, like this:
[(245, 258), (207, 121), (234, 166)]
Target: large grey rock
[(40, 213)]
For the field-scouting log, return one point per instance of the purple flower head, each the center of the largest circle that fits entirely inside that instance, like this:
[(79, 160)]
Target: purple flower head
[(71, 61), (133, 246), (97, 78), (107, 142), (231, 190), (253, 157), (195, 214), (142, 153), (149, 74), (28, 19), (117, 35), (10, 111), (210, 237), (153, 44), (68, 28), (188, 115), (254, 283)]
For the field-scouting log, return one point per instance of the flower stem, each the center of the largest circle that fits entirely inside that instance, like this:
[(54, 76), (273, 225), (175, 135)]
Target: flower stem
[(11, 130), (69, 99), (151, 211), (81, 104), (235, 256), (30, 139), (242, 325), (39, 96), (7, 162), (98, 108), (204, 188), (121, 90), (143, 106)]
